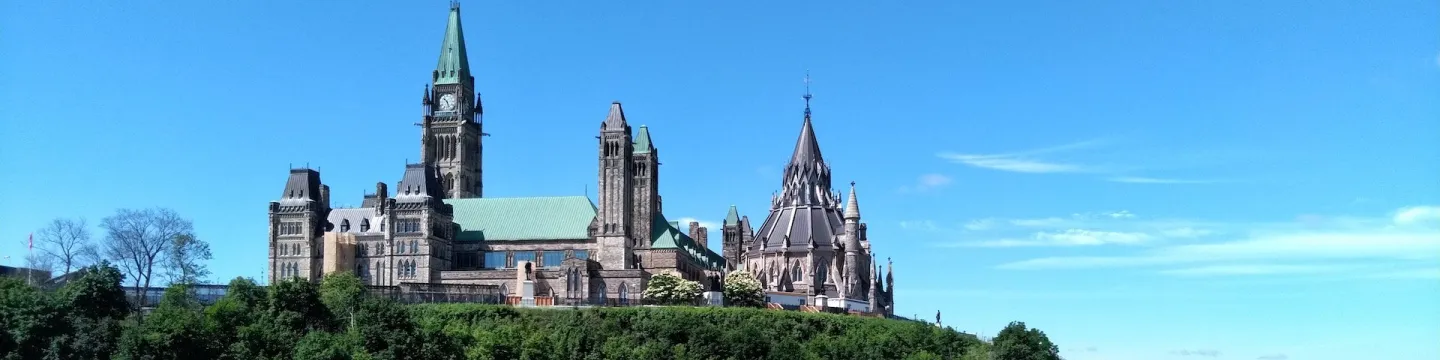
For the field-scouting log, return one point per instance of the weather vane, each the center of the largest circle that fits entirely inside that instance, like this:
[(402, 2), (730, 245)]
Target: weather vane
[(807, 92)]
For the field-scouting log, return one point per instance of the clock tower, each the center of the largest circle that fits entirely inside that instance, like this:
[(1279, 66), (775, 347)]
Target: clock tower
[(454, 118)]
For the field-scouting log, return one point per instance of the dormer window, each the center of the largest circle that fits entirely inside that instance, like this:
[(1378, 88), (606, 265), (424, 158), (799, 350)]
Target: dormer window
[(345, 225), (364, 225)]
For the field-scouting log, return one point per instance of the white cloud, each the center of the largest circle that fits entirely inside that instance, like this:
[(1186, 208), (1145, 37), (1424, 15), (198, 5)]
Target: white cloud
[(918, 225), (1151, 180), (1071, 237), (1122, 214), (1254, 269), (1376, 245), (1024, 161), (1012, 163), (982, 224), (685, 224), (1041, 222), (1091, 237), (1417, 215), (1185, 232)]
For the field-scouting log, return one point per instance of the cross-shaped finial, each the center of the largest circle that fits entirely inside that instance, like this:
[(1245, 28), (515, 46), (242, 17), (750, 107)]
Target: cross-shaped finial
[(852, 184)]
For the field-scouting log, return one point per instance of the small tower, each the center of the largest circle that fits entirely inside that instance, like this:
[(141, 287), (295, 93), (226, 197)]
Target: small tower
[(614, 213), (731, 241), (297, 224), (646, 183), (854, 268)]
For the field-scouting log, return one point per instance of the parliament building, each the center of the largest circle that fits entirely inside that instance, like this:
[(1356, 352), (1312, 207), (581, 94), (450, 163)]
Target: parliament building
[(436, 227)]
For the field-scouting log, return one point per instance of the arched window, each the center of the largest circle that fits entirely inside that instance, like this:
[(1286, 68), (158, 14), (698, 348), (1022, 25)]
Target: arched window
[(820, 271), (796, 275), (345, 225), (624, 293), (414, 247), (600, 294), (364, 225)]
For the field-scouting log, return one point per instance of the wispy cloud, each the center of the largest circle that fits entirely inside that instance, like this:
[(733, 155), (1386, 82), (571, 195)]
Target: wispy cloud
[(1317, 246), (1418, 215), (1151, 180), (928, 182), (918, 225), (1071, 237), (1273, 357), (1024, 161), (1255, 269), (1013, 163), (1202, 353)]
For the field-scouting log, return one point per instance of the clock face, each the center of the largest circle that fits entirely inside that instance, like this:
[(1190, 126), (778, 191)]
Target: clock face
[(447, 102)]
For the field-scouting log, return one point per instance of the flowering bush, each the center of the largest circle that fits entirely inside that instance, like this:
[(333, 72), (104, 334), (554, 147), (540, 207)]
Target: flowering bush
[(668, 289), (742, 289)]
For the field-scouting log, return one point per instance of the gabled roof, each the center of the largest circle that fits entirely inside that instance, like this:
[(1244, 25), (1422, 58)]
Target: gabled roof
[(454, 65), (667, 235), (525, 218)]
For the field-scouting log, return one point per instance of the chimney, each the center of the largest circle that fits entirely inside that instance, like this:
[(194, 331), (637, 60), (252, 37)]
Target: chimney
[(325, 195), (381, 193), (700, 234)]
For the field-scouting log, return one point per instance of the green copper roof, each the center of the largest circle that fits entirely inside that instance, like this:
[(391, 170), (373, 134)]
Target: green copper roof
[(733, 217), (642, 141), (667, 235), (454, 65), (531, 218)]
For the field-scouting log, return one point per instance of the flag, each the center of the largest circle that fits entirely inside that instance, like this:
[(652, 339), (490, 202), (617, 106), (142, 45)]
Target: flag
[(32, 241)]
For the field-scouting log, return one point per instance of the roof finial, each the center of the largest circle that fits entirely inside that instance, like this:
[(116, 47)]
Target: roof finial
[(807, 93), (454, 4)]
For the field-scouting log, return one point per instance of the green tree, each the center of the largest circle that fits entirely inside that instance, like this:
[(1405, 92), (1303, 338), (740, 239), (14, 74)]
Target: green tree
[(29, 321), (175, 330), (95, 305), (1016, 342), (669, 289), (342, 292), (743, 290)]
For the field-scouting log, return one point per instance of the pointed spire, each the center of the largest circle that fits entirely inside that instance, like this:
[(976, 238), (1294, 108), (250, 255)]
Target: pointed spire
[(807, 149), (642, 140), (733, 217), (852, 207), (616, 119), (454, 65)]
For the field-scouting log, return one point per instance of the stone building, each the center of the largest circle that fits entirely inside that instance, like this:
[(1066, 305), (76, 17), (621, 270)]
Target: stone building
[(809, 245), (436, 227)]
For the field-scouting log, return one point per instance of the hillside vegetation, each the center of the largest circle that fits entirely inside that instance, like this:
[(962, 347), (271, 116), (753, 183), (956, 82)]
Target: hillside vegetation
[(335, 320)]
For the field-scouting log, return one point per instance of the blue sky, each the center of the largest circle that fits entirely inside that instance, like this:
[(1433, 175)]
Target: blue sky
[(1141, 180)]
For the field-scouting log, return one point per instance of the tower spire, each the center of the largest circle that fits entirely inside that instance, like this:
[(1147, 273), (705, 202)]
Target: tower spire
[(454, 65)]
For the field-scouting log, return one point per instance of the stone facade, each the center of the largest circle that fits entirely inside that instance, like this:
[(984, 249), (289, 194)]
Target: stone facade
[(436, 228)]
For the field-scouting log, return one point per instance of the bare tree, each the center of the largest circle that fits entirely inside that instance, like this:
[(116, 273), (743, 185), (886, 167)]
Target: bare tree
[(185, 262), (67, 243), (137, 240)]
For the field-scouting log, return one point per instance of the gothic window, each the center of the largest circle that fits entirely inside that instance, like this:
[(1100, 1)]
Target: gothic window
[(296, 249), (345, 225), (820, 271), (364, 225), (414, 247), (796, 275), (380, 248), (624, 293)]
